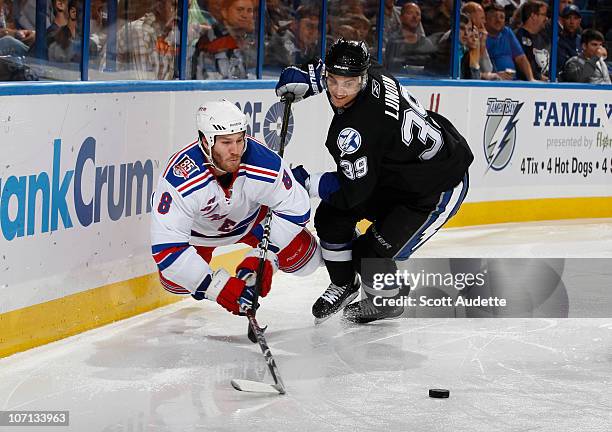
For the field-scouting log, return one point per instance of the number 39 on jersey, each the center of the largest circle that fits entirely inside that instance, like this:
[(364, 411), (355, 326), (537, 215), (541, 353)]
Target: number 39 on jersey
[(355, 170)]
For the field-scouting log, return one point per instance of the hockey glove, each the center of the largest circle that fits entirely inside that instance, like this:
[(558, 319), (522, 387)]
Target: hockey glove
[(226, 290), (247, 270), (303, 81), (302, 176)]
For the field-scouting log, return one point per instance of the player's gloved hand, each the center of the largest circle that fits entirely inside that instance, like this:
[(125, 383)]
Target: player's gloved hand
[(302, 176), (226, 290), (247, 271), (303, 81)]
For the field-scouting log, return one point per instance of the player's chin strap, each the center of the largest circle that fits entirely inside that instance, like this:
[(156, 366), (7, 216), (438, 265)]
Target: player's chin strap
[(209, 156)]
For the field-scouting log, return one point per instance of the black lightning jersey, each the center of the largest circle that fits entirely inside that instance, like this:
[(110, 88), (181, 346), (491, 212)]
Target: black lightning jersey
[(386, 145)]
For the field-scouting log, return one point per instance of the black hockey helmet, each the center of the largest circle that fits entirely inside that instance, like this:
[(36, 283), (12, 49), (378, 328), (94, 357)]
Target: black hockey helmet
[(347, 58)]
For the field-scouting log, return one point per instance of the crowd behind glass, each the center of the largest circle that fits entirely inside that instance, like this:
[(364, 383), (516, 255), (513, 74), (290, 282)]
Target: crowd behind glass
[(142, 39)]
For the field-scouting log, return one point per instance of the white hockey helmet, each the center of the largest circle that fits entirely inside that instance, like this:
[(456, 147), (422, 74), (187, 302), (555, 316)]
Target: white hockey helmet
[(217, 118)]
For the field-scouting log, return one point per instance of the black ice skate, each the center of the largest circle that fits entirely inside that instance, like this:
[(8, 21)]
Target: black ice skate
[(333, 299), (364, 311)]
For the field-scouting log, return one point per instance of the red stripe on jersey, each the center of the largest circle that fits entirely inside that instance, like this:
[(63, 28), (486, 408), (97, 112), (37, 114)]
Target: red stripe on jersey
[(161, 255), (176, 155), (171, 286), (298, 252), (198, 179), (271, 173)]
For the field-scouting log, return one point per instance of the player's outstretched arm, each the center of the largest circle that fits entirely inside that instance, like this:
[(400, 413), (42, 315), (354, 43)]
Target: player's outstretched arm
[(302, 81)]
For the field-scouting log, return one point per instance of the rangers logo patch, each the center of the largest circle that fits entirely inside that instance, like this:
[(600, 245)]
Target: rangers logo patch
[(185, 167), (349, 141)]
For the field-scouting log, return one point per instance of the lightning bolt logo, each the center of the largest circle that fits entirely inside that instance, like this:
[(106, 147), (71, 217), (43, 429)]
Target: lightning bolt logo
[(500, 137)]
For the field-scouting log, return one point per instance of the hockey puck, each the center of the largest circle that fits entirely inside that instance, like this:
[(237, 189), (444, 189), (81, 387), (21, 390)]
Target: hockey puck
[(439, 393)]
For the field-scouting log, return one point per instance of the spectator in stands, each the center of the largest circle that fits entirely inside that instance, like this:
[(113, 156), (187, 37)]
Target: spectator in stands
[(477, 15), (300, 42), (278, 16), (340, 8), (393, 20), (588, 67), (503, 47), (362, 26), (531, 37), (97, 27), (469, 53), (24, 14), (147, 46), (345, 31), (66, 45), (408, 46), (437, 16), (228, 48), (12, 41), (60, 18), (548, 28), (570, 44)]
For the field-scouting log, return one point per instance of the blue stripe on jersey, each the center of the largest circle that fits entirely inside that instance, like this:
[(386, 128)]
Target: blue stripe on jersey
[(160, 247), (248, 220), (408, 248), (200, 292), (466, 185), (169, 260), (416, 238), (258, 231), (198, 187), (298, 220), (259, 155), (240, 228), (229, 234), (256, 177)]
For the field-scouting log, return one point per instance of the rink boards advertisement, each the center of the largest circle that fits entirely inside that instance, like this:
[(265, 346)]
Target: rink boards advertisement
[(78, 171)]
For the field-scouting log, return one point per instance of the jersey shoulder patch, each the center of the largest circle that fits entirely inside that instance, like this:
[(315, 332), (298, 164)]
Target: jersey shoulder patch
[(186, 170), (259, 162)]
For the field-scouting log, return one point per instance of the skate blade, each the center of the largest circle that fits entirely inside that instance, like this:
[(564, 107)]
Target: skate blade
[(347, 301), (369, 320)]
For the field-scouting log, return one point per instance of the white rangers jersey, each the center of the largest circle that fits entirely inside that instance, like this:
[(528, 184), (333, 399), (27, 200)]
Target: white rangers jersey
[(191, 208)]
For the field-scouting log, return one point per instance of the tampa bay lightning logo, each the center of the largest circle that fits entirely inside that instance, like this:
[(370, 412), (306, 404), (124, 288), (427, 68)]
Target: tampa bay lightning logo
[(273, 124), (500, 132), (349, 141)]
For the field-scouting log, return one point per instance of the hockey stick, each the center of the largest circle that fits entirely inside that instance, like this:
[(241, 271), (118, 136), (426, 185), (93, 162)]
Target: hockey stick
[(256, 333), (265, 239), (257, 386)]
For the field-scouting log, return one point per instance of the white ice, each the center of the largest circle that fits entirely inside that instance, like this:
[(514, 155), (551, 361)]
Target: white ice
[(170, 369)]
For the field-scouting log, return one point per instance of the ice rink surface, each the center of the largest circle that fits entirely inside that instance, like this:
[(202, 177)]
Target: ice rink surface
[(170, 369)]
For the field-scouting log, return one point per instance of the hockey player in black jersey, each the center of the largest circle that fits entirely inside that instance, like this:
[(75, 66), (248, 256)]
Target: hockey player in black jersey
[(402, 167)]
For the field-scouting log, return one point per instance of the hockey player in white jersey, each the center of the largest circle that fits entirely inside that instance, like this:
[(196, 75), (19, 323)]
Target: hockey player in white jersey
[(215, 192)]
